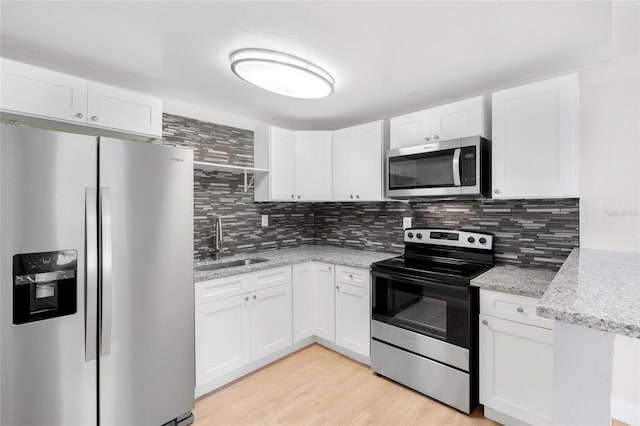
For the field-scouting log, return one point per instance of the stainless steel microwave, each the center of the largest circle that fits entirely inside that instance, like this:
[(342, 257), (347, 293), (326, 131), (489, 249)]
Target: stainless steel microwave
[(457, 167)]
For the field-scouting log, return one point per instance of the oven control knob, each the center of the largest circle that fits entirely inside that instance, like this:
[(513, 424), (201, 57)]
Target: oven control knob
[(482, 240), (471, 240), (410, 235), (418, 235)]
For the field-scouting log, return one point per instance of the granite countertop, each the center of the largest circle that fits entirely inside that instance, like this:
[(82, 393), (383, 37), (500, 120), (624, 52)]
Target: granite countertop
[(328, 254), (597, 289), (510, 279)]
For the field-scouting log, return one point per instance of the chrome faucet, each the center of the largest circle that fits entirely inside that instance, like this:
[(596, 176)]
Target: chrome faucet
[(218, 241)]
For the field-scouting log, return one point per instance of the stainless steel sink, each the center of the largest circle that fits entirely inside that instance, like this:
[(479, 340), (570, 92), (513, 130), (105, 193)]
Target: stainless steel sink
[(230, 264)]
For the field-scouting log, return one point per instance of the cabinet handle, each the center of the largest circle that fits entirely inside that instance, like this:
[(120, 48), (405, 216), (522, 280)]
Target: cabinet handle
[(436, 137), (485, 322), (337, 287), (255, 297), (329, 268), (298, 197), (350, 276), (292, 196), (497, 191), (246, 299), (351, 196), (520, 309), (94, 118), (357, 197), (427, 139), (79, 115)]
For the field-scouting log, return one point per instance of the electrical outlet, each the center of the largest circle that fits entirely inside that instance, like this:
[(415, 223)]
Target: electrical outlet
[(406, 222), (265, 220)]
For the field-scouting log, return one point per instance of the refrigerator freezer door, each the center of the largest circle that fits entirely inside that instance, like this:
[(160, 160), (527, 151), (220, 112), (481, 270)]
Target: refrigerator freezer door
[(46, 378), (147, 320)]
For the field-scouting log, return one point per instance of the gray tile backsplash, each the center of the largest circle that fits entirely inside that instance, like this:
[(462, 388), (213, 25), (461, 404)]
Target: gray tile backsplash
[(532, 233)]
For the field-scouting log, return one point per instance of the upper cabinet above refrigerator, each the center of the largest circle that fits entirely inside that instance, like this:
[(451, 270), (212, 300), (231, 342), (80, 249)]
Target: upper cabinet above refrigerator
[(465, 118), (41, 96)]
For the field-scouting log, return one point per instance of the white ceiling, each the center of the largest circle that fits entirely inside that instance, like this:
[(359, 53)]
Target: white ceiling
[(387, 57)]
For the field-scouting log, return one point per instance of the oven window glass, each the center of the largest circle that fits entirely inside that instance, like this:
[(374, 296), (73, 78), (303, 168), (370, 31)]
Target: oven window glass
[(432, 169), (433, 309)]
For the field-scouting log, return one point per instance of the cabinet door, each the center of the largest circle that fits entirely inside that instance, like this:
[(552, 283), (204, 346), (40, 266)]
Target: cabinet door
[(457, 119), (535, 145), (353, 314), (120, 109), (222, 337), (283, 164), (271, 322), (516, 369), (409, 129), (325, 302), (313, 166), (346, 164), (303, 301), (43, 93), (370, 157)]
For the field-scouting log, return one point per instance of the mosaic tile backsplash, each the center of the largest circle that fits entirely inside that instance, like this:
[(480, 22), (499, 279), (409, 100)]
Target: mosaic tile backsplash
[(222, 194), (531, 233)]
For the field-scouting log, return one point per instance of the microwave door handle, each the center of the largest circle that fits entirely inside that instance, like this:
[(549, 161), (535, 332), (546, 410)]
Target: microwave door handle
[(456, 167)]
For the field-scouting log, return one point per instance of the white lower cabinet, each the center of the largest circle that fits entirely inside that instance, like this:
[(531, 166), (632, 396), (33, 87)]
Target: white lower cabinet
[(516, 360), (232, 332), (303, 278), (325, 297), (353, 318), (270, 320), (246, 321), (222, 337)]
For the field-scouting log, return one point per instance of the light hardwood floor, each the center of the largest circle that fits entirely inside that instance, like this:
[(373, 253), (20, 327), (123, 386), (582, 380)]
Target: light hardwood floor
[(316, 386)]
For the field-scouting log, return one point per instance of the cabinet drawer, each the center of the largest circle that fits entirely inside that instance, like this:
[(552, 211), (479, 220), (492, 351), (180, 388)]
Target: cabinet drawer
[(512, 307), (354, 276), (270, 278), (221, 288)]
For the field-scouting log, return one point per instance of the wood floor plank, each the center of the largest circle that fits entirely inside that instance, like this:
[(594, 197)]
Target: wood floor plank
[(316, 386)]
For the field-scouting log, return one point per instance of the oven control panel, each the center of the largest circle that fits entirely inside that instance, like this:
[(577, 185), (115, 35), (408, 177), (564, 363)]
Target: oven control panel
[(445, 237)]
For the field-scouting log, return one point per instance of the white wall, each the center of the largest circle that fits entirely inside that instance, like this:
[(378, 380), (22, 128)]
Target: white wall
[(184, 109), (610, 177)]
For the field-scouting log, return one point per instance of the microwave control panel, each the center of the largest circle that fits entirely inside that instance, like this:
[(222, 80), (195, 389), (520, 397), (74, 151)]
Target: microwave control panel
[(468, 166)]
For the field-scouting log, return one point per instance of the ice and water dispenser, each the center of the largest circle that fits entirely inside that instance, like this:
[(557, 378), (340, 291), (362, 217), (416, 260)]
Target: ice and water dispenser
[(44, 285)]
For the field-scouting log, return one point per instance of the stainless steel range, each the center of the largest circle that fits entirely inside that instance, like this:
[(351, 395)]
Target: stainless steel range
[(424, 324)]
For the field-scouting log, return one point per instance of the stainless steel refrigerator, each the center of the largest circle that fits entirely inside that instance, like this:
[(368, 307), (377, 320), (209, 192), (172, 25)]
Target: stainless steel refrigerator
[(96, 274)]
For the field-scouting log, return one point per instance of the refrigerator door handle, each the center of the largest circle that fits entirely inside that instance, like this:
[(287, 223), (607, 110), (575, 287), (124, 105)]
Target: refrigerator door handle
[(91, 279), (106, 272)]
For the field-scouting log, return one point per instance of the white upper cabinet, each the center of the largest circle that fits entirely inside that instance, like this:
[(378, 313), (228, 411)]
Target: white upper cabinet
[(299, 165), (313, 166), (38, 93), (535, 140), (357, 163), (460, 119), (120, 109), (409, 129)]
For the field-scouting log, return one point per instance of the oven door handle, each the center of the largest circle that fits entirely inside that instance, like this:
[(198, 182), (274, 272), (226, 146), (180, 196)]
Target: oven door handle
[(420, 281), (456, 167)]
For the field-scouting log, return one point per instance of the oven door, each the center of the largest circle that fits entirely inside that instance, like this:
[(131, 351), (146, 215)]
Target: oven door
[(438, 310)]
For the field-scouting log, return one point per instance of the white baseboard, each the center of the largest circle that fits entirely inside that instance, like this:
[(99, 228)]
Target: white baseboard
[(626, 412), (502, 418), (346, 352)]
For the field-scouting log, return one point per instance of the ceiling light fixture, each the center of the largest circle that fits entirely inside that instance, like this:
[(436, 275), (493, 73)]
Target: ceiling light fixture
[(281, 73)]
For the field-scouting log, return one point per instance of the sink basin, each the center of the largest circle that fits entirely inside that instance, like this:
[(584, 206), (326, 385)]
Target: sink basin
[(229, 264)]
